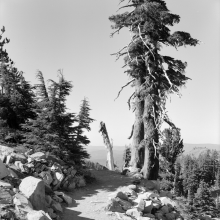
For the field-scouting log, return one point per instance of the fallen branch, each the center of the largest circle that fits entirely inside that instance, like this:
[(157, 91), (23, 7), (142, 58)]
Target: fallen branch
[(129, 100)]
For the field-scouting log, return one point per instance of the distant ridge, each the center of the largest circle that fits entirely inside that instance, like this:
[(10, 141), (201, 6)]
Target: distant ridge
[(99, 153)]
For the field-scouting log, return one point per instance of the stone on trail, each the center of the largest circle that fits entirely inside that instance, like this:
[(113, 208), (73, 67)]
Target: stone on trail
[(34, 190), (65, 197), (150, 184), (3, 170), (148, 206), (20, 199), (166, 201), (170, 216), (56, 206), (114, 206), (134, 213), (38, 155), (19, 157), (125, 204), (5, 185), (164, 209), (121, 195), (46, 176), (37, 215)]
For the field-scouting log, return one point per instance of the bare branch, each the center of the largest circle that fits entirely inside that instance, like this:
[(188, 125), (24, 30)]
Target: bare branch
[(126, 6), (129, 100), (132, 131), (124, 87)]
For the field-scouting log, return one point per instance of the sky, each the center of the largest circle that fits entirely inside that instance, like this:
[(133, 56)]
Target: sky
[(74, 36)]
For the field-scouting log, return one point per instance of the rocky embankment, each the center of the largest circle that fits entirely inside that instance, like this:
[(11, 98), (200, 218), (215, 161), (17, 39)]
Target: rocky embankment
[(32, 186), (145, 201)]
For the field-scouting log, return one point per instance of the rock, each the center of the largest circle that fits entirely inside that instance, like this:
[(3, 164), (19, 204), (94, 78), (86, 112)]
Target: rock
[(5, 197), (164, 209), (149, 195), (150, 184), (5, 184), (38, 155), (149, 215), (141, 204), (21, 200), (160, 216), (166, 194), (56, 206), (19, 165), (125, 204), (57, 198), (156, 205), (134, 212), (148, 206), (59, 176), (9, 159), (19, 157), (12, 173), (132, 187), (34, 190), (65, 197), (166, 200), (81, 182), (114, 206), (48, 199), (46, 176), (5, 151), (71, 186), (7, 214), (37, 215), (3, 170), (122, 195), (170, 216)]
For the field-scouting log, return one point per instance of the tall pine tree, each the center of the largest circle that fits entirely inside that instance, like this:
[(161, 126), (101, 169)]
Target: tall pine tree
[(153, 75)]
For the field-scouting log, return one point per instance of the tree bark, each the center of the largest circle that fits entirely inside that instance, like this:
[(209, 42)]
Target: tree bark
[(110, 158), (138, 131), (151, 158)]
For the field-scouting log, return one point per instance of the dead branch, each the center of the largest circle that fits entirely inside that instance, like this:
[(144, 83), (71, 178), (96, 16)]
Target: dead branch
[(124, 87), (132, 131), (129, 100)]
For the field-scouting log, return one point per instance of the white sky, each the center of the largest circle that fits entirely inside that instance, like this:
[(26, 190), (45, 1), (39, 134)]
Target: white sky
[(75, 36)]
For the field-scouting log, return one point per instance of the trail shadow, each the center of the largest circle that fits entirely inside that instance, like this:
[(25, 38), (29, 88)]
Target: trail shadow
[(107, 181)]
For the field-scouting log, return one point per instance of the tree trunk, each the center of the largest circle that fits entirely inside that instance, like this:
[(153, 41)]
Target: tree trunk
[(138, 131), (110, 158), (151, 158)]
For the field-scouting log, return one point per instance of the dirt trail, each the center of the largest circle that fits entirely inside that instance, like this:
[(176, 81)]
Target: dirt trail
[(89, 202)]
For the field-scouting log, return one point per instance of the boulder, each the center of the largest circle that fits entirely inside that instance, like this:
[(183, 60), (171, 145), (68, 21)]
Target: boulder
[(125, 204), (37, 215), (5, 197), (121, 195), (5, 151), (65, 197), (5, 184), (46, 176), (34, 190), (148, 206), (134, 213), (19, 157), (3, 170), (12, 173), (170, 216), (114, 206), (150, 184), (81, 182), (21, 200), (56, 206), (166, 201), (164, 209), (166, 194), (38, 155)]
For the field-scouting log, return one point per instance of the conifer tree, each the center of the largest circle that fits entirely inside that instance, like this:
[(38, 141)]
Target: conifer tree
[(153, 75), (16, 98), (172, 147), (204, 203)]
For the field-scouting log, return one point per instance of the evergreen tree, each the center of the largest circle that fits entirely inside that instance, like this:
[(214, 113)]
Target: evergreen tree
[(16, 98), (178, 181), (204, 203), (148, 22), (172, 147), (217, 182), (81, 140)]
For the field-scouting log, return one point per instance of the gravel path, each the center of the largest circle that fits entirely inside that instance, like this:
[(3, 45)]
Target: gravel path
[(89, 202)]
